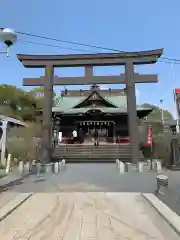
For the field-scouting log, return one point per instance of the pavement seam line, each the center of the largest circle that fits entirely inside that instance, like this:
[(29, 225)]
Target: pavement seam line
[(15, 207), (160, 212)]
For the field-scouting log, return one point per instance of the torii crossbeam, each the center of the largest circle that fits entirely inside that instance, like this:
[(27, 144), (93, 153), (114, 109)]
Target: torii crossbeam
[(87, 80), (128, 59)]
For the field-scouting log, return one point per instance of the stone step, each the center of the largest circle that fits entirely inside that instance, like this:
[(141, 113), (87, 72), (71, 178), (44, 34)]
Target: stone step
[(92, 146), (98, 155), (96, 149), (94, 153), (128, 158), (107, 153), (93, 150)]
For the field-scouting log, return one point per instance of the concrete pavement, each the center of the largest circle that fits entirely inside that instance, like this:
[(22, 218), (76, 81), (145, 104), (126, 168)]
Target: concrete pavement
[(79, 185), (171, 217), (85, 216)]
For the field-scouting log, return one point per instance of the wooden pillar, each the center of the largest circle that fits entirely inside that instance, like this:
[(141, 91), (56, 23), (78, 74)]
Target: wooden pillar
[(132, 113), (47, 115)]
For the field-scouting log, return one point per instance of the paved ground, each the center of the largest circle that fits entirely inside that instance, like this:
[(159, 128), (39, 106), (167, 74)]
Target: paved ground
[(83, 216), (101, 177), (65, 197), (96, 177)]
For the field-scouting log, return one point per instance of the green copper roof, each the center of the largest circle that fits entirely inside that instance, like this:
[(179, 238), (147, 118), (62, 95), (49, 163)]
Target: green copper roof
[(66, 104)]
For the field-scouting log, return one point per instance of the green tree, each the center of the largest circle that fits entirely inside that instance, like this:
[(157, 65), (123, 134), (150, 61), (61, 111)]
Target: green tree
[(17, 103), (22, 142), (156, 114), (38, 94)]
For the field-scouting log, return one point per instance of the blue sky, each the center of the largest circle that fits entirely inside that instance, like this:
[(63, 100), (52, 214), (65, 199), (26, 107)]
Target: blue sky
[(125, 25)]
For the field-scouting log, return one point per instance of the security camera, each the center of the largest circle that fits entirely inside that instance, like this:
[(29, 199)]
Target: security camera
[(8, 36)]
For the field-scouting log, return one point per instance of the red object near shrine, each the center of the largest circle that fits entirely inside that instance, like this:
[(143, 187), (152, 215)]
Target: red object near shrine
[(149, 140)]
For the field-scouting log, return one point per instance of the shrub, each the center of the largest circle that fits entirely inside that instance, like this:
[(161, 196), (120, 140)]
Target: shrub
[(162, 147), (23, 142), (2, 166)]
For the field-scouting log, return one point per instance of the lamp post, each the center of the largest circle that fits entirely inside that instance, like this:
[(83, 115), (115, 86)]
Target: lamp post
[(3, 126), (8, 37)]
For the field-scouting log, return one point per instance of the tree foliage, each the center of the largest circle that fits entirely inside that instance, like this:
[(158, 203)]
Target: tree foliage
[(38, 94), (156, 114), (15, 102), (23, 141), (20, 104)]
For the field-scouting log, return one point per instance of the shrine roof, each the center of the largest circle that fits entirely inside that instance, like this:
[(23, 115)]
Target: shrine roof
[(68, 105), (102, 109), (68, 102)]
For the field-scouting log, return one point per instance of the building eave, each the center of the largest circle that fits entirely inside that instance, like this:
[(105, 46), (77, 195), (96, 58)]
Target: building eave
[(114, 111), (12, 120)]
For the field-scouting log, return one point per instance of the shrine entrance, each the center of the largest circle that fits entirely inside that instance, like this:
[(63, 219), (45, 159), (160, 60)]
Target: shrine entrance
[(89, 61), (105, 131)]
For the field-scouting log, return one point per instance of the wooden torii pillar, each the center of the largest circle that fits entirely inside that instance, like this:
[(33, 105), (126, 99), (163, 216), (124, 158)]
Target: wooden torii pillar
[(88, 61)]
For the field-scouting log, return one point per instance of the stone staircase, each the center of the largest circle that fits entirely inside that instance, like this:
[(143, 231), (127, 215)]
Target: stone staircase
[(90, 153)]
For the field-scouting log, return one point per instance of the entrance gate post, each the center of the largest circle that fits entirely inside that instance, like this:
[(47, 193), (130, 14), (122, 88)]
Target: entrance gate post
[(47, 115), (132, 113)]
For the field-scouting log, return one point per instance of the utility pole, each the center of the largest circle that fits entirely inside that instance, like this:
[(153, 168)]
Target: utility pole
[(3, 126), (8, 37), (162, 112)]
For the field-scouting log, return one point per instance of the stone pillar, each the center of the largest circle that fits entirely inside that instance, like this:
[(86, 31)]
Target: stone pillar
[(140, 167), (47, 168), (21, 167), (121, 167), (132, 112), (56, 167), (27, 167), (117, 163), (60, 165), (128, 167), (158, 167), (150, 164), (8, 165), (38, 168), (63, 162), (47, 115), (154, 164)]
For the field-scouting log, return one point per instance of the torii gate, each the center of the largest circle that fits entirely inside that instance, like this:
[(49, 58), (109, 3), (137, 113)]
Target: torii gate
[(88, 61)]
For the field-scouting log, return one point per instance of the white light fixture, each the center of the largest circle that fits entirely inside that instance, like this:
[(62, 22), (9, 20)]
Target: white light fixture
[(8, 37)]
